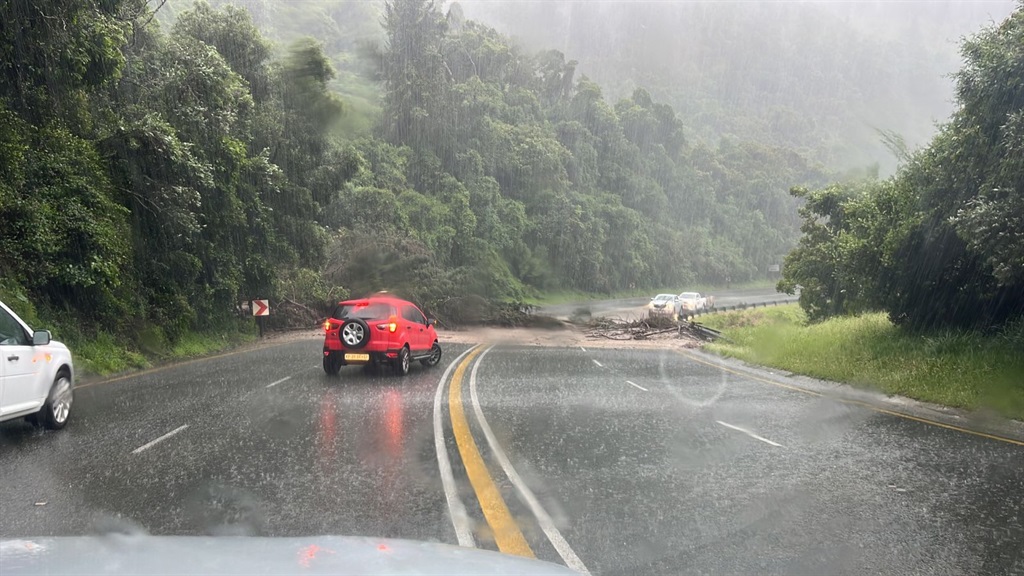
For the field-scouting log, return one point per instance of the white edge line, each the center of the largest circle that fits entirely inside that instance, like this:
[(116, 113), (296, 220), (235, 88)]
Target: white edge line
[(456, 509), (596, 362), (285, 379), (749, 433), (546, 523), (635, 385), (160, 439)]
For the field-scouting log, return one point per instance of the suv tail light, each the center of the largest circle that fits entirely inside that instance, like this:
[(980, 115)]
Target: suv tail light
[(328, 326), (391, 325)]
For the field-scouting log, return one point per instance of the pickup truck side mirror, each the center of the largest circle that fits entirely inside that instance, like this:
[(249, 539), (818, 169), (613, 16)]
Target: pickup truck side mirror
[(41, 337)]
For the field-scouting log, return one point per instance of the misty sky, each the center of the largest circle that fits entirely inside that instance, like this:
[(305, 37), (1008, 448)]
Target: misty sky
[(822, 76)]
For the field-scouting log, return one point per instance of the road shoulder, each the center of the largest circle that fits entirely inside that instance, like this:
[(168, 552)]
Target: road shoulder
[(979, 422), (83, 380)]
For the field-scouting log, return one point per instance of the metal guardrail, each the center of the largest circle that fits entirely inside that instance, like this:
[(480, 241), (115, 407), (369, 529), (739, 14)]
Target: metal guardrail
[(745, 306)]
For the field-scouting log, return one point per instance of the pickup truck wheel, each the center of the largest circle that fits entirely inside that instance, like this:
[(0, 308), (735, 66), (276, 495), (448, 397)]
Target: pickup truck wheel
[(57, 409)]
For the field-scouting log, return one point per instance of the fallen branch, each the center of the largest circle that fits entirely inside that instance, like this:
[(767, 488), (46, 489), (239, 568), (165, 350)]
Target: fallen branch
[(656, 332), (647, 328), (306, 308)]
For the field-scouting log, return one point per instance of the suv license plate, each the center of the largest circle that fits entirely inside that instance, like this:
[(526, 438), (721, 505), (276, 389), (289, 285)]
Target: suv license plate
[(357, 357)]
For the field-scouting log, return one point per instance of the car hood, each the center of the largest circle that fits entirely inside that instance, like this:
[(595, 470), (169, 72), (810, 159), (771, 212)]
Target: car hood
[(59, 346), (151, 555)]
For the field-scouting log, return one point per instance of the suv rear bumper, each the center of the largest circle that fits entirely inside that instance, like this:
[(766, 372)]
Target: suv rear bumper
[(355, 357)]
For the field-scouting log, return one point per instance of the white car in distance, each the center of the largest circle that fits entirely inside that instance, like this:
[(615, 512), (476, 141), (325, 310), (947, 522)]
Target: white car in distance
[(664, 305), (36, 374), (692, 302)]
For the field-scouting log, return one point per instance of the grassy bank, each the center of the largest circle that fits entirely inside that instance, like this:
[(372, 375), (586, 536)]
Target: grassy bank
[(99, 353), (963, 370), (102, 354)]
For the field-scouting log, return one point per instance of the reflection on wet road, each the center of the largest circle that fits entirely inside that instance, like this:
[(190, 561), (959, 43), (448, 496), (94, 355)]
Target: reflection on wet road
[(612, 462)]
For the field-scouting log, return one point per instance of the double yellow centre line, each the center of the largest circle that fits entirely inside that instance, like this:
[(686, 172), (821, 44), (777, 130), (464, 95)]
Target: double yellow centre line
[(507, 534)]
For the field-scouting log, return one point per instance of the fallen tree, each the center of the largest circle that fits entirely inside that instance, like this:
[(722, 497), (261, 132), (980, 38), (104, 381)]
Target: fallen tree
[(648, 329)]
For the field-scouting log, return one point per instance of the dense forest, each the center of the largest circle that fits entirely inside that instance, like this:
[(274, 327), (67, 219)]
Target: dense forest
[(161, 162), (156, 174)]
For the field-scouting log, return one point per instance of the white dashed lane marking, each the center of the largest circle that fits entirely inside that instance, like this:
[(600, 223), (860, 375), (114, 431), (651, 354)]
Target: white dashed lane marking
[(749, 433), (149, 445), (275, 383), (635, 385)]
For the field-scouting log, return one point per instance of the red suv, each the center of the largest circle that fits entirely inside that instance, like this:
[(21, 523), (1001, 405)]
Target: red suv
[(379, 330)]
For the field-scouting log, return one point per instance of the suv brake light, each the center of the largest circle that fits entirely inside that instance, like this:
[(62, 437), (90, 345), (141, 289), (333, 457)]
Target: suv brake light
[(328, 326), (391, 325)]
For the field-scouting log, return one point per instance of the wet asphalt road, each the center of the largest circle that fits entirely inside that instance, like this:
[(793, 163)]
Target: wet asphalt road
[(645, 462)]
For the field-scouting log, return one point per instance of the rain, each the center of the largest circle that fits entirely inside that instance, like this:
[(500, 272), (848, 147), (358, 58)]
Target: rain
[(415, 286)]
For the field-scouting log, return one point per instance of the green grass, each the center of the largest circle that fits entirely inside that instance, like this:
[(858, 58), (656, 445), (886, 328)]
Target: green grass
[(98, 353), (102, 354), (563, 297), (959, 369), (196, 344)]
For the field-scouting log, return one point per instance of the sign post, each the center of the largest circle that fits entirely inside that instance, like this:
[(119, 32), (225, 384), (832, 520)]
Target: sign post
[(260, 308)]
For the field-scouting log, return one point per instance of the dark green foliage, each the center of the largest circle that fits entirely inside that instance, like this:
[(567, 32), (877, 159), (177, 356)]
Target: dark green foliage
[(152, 178), (157, 176), (940, 244), (504, 161)]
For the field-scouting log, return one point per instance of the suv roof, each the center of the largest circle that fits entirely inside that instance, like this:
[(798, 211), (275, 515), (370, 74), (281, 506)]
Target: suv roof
[(391, 303), (375, 300)]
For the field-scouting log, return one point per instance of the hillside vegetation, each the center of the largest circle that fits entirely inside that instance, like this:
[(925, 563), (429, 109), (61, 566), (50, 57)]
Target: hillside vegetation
[(158, 168), (156, 174)]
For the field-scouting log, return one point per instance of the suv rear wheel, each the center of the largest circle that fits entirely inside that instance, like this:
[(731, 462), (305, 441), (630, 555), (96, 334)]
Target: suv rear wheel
[(402, 362), (331, 364)]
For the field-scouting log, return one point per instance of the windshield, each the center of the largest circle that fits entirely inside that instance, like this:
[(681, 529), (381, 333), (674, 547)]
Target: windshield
[(276, 273)]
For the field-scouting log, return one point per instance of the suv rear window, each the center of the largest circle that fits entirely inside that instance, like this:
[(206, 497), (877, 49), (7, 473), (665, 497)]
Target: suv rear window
[(372, 311)]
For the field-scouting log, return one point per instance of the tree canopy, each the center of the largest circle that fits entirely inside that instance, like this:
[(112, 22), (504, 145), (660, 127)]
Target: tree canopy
[(156, 169), (941, 244)]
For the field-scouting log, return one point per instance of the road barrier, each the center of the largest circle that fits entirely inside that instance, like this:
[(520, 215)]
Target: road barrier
[(745, 306)]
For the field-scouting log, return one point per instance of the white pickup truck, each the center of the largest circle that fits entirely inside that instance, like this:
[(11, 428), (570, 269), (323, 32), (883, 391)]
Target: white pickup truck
[(692, 302), (36, 374)]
